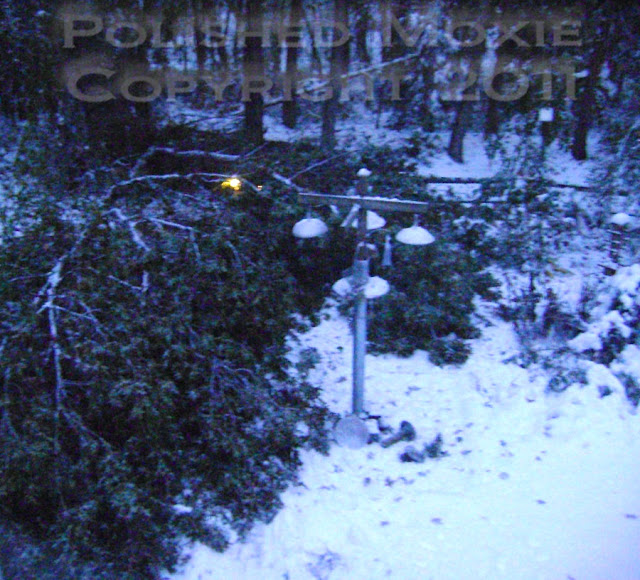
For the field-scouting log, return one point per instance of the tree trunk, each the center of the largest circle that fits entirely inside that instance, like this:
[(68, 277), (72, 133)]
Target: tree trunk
[(199, 10), (253, 68), (493, 109), (361, 30), (290, 104), (584, 106), (427, 118), (396, 47), (456, 141), (492, 119), (339, 66)]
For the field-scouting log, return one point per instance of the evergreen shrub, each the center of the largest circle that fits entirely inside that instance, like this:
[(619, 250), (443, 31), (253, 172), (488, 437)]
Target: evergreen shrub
[(144, 392)]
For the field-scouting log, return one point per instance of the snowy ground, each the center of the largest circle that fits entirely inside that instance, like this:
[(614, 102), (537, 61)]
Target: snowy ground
[(534, 486)]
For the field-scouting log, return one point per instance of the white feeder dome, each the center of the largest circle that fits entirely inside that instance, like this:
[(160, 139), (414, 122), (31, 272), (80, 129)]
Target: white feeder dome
[(374, 221), (545, 114), (374, 288), (310, 228), (415, 235)]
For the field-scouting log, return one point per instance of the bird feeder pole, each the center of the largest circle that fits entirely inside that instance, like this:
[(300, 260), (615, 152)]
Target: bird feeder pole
[(360, 276), (363, 203), (359, 205)]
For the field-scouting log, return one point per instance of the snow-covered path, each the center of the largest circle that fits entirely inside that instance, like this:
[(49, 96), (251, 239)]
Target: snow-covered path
[(535, 486)]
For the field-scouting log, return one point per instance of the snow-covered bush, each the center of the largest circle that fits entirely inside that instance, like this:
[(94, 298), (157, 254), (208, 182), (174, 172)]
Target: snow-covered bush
[(614, 317), (613, 330)]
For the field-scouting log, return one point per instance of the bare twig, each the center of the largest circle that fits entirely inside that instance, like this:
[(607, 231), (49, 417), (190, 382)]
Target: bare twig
[(170, 224), (315, 165), (135, 234), (285, 180), (92, 317), (136, 288), (76, 422)]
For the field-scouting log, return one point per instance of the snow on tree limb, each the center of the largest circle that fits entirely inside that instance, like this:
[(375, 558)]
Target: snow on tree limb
[(192, 153), (135, 234)]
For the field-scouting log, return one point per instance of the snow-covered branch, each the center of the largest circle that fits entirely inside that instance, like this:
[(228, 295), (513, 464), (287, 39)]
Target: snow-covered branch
[(198, 153), (489, 180), (194, 154), (192, 234), (135, 234), (285, 180), (149, 179)]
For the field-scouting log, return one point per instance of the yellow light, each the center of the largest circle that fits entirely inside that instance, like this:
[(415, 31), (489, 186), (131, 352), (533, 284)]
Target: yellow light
[(233, 182)]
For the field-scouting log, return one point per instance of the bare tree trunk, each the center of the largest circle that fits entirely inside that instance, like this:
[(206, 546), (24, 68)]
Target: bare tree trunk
[(361, 29), (456, 141), (339, 66), (199, 8), (427, 118), (492, 119), (290, 104), (584, 106), (253, 68), (395, 48)]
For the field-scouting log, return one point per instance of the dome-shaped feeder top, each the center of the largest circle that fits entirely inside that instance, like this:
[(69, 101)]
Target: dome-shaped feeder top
[(415, 236), (310, 228)]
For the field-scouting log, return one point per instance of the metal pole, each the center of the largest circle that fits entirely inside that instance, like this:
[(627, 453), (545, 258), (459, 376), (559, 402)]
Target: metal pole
[(359, 336), (360, 276)]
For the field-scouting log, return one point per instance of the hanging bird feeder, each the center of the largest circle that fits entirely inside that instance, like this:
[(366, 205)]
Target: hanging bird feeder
[(374, 221), (309, 227), (415, 235)]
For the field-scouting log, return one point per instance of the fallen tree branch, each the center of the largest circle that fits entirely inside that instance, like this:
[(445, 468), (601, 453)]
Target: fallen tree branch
[(53, 279), (198, 154), (172, 176), (204, 117)]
